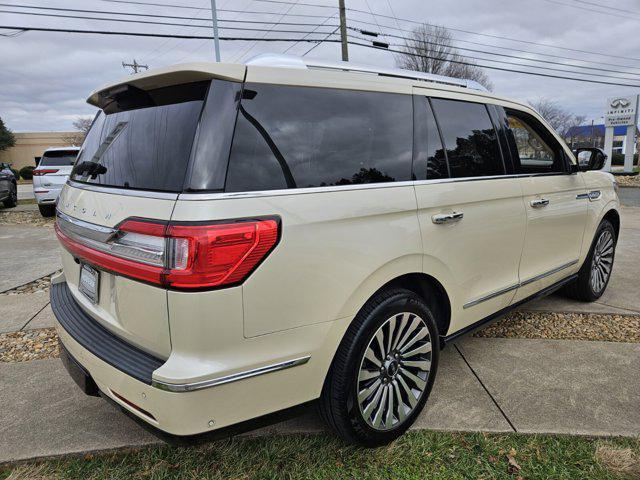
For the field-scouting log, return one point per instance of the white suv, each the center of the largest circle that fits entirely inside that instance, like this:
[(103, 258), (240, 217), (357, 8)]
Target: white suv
[(50, 176), (241, 239)]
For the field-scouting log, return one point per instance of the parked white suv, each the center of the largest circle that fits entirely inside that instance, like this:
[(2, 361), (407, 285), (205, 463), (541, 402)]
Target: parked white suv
[(51, 175), (241, 239)]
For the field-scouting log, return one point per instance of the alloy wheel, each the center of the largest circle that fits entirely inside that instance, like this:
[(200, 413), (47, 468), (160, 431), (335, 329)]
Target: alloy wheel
[(602, 261), (394, 371)]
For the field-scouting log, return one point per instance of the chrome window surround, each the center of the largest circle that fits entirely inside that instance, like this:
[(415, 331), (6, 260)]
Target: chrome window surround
[(523, 283), (190, 387), (123, 191)]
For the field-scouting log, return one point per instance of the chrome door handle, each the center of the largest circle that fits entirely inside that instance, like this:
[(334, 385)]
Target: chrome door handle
[(539, 203), (441, 218)]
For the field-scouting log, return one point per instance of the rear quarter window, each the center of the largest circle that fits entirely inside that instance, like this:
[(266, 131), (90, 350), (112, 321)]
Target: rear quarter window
[(297, 137), (469, 138)]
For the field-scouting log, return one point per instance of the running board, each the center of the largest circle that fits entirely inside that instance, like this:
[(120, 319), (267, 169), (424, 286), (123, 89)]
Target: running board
[(501, 313)]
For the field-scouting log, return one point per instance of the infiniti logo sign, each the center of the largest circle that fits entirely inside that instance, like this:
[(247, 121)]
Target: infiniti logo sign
[(620, 103)]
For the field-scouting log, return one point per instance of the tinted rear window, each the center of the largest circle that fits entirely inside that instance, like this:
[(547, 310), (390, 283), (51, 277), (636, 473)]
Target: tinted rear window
[(144, 140), (58, 158), (470, 140), (296, 137)]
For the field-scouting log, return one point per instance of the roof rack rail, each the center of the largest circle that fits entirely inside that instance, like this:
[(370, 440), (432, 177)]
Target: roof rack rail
[(293, 61)]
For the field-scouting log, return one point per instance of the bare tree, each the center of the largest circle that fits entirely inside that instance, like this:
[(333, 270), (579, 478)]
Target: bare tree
[(82, 126), (430, 49), (559, 118)]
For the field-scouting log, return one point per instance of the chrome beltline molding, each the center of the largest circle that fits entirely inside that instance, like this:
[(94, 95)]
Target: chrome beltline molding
[(528, 281), (190, 387)]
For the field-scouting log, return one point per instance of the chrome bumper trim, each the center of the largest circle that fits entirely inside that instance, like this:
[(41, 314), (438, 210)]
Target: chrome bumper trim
[(190, 387), (520, 284)]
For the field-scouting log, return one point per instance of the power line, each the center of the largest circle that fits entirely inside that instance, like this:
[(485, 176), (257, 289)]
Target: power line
[(312, 31), (161, 35), (511, 49), (607, 6), (201, 37), (524, 72), (604, 12), (149, 22), (500, 37), (149, 15), (546, 62)]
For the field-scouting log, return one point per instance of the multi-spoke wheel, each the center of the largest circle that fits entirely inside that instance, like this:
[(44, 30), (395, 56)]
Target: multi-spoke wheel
[(596, 271), (394, 370), (383, 371), (602, 261)]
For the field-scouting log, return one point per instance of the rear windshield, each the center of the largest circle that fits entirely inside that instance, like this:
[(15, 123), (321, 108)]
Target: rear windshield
[(142, 139), (58, 158)]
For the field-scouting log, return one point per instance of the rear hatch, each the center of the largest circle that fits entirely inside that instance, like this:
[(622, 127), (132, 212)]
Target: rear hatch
[(131, 166)]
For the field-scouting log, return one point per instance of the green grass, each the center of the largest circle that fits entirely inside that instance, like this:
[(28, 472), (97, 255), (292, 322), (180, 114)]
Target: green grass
[(26, 201), (419, 454)]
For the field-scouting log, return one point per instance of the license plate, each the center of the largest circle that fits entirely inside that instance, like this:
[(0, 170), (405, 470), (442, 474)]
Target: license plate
[(89, 282)]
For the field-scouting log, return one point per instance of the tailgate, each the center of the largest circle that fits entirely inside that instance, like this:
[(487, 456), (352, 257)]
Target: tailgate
[(132, 310)]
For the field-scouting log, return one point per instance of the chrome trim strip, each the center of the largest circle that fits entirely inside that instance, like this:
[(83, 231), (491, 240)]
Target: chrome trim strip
[(339, 188), (582, 196), (123, 191), (75, 226), (510, 288), (190, 387), (495, 294), (549, 273)]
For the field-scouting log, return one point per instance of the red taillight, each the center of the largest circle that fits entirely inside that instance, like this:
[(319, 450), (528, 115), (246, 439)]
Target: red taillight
[(182, 256), (43, 171)]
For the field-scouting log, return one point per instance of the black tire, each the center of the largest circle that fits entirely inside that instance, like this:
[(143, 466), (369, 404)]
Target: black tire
[(582, 289), (47, 210), (339, 405), (12, 200)]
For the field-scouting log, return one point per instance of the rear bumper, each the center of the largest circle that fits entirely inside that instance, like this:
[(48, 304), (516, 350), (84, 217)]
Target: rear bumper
[(47, 195), (126, 375)]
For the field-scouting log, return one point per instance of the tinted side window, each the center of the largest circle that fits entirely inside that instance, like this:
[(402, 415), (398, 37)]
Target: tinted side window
[(469, 137), (296, 137), (429, 161), (533, 148)]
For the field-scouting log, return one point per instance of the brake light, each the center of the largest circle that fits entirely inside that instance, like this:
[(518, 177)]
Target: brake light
[(179, 255), (43, 171)]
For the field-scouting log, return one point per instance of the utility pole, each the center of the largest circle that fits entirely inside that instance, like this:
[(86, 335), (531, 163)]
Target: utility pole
[(135, 66), (216, 38), (343, 32)]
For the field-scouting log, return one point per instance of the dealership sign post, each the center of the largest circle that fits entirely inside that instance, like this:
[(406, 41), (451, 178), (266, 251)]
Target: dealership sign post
[(621, 111)]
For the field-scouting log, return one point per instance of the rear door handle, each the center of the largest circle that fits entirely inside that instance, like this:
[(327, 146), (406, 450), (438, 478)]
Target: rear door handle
[(441, 218), (539, 202)]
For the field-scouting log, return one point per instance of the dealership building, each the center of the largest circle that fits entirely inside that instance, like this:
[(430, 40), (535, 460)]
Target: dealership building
[(30, 146)]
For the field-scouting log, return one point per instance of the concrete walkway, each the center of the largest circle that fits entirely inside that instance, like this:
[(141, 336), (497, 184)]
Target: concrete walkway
[(489, 385), (28, 253)]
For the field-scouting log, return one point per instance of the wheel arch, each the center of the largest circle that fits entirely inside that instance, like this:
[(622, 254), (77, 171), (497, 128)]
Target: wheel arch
[(614, 217)]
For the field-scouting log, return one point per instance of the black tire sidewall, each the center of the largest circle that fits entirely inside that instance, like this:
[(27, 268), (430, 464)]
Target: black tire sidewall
[(47, 210), (400, 302), (586, 273)]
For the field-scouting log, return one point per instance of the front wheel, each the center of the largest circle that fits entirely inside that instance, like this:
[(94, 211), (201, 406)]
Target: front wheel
[(595, 273), (383, 370)]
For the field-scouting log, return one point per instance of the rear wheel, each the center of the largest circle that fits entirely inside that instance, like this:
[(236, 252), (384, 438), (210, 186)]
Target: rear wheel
[(383, 371), (595, 273), (12, 200), (47, 210)]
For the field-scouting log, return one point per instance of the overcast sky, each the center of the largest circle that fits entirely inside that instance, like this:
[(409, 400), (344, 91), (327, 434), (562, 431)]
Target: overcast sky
[(46, 77)]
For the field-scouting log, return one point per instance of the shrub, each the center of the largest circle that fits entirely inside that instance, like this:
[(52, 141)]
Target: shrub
[(27, 172)]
